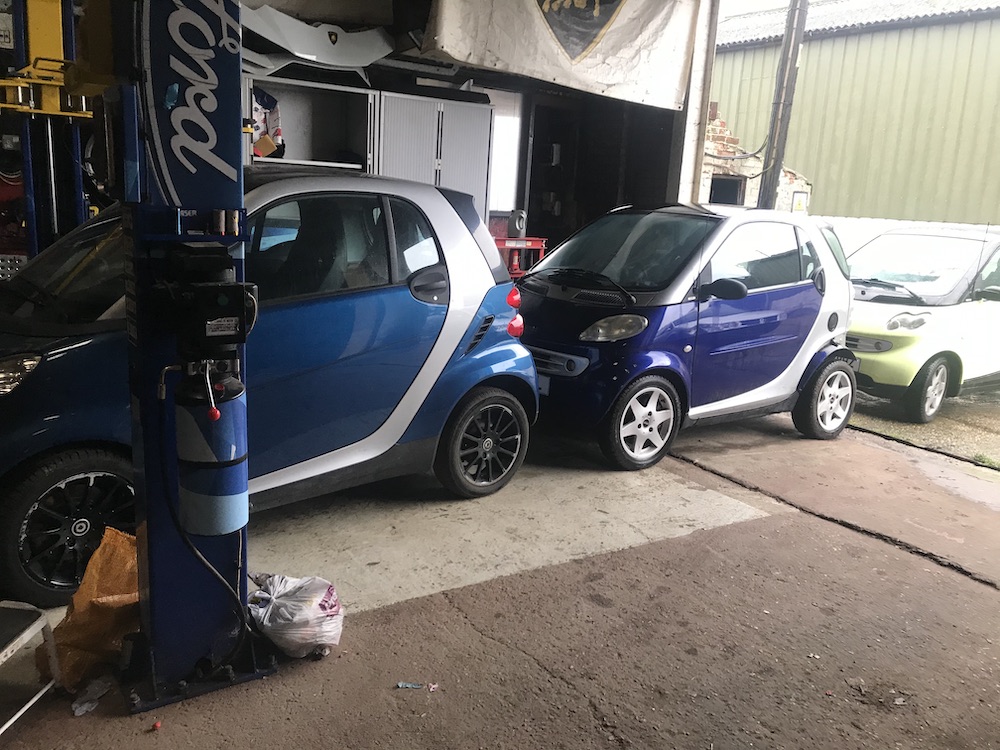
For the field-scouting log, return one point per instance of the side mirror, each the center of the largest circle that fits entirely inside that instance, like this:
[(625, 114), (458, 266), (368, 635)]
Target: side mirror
[(991, 293), (731, 289)]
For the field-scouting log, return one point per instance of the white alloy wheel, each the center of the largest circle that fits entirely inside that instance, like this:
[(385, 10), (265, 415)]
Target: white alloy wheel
[(926, 394), (646, 423), (937, 387), (836, 396)]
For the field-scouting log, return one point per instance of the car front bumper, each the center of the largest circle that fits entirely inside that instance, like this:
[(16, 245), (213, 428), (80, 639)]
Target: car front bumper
[(889, 360), (579, 384)]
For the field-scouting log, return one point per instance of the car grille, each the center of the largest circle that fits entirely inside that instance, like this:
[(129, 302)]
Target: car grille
[(867, 344), (599, 297), (548, 362)]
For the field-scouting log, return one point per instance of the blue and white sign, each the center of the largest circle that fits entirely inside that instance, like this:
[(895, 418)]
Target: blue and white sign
[(191, 102)]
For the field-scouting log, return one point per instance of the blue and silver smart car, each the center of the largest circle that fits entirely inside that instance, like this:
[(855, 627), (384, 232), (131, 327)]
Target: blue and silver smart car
[(646, 320), (384, 347)]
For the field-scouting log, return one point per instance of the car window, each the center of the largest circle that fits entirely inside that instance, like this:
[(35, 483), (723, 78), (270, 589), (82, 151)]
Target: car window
[(280, 225), (637, 250), (930, 266), (808, 257), (76, 280), (760, 254), (837, 249), (317, 244), (990, 275), (416, 247)]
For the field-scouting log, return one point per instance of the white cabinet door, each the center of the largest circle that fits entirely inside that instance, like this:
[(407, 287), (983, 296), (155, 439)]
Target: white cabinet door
[(408, 138), (439, 142), (466, 132)]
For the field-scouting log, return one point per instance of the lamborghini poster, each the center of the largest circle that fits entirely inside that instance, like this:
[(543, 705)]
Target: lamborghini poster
[(637, 50)]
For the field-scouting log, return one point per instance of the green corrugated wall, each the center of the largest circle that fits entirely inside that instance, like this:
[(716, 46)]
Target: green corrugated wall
[(900, 123)]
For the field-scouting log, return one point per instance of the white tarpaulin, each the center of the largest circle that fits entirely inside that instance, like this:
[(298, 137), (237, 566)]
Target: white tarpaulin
[(637, 50)]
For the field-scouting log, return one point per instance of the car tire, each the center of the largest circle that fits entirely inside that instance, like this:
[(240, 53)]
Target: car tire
[(52, 518), (642, 424), (827, 402), (484, 443), (925, 396)]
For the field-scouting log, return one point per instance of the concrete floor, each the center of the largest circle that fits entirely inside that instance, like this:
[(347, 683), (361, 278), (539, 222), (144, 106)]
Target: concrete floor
[(691, 606)]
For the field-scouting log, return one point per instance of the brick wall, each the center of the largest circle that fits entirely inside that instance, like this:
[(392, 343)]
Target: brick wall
[(720, 143)]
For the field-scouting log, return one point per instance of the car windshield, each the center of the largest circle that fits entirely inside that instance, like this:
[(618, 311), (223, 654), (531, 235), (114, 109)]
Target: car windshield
[(927, 266), (638, 251), (78, 279)]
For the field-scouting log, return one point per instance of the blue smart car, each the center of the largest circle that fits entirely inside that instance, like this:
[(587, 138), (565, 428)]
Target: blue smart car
[(647, 320), (386, 345)]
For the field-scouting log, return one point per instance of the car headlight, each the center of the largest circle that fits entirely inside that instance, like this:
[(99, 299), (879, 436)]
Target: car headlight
[(615, 328), (13, 370), (907, 320)]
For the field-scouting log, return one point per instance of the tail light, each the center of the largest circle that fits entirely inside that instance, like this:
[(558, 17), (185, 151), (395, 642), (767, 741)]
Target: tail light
[(516, 327), (514, 297)]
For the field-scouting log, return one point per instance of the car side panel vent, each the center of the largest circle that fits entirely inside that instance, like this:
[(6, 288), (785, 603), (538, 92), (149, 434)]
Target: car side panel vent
[(480, 333)]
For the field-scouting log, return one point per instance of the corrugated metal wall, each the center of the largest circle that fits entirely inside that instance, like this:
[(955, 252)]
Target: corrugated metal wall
[(901, 123)]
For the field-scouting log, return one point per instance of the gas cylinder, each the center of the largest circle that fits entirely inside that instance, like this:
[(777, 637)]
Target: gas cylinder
[(210, 417)]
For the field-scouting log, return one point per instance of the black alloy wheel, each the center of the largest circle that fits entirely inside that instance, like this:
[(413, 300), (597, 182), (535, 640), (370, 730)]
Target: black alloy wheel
[(53, 520), (483, 444)]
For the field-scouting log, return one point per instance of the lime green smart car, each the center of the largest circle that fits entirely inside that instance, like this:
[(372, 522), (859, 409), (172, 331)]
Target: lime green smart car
[(926, 317)]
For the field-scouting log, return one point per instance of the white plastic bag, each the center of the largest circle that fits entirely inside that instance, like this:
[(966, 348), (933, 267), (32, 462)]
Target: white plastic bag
[(300, 616)]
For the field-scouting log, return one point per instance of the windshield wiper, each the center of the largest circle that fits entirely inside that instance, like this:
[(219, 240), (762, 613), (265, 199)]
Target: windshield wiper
[(889, 285), (596, 275)]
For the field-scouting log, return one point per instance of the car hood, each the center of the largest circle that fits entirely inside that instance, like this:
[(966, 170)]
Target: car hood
[(21, 343)]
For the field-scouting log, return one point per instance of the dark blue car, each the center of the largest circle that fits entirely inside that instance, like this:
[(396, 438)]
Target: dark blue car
[(382, 349), (645, 321)]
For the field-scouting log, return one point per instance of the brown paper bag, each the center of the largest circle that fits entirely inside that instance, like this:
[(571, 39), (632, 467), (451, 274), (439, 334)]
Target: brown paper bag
[(104, 610)]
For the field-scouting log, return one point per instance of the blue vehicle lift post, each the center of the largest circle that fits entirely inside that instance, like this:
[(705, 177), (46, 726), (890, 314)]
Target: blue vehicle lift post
[(179, 154)]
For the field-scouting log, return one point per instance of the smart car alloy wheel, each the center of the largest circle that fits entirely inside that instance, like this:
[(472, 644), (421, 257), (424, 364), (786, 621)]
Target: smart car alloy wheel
[(484, 444), (55, 518), (827, 402), (926, 395), (642, 424)]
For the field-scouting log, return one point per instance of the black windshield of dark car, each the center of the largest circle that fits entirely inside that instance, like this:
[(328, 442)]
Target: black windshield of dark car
[(639, 251), (78, 280)]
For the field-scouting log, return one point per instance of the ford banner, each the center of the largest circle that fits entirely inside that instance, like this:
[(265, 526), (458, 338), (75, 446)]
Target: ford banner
[(190, 102)]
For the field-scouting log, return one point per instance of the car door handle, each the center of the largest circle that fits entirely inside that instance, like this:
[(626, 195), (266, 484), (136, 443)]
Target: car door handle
[(430, 285), (819, 280), (437, 285)]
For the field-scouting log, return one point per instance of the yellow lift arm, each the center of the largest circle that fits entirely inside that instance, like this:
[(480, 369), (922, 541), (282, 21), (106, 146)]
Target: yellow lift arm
[(40, 88)]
